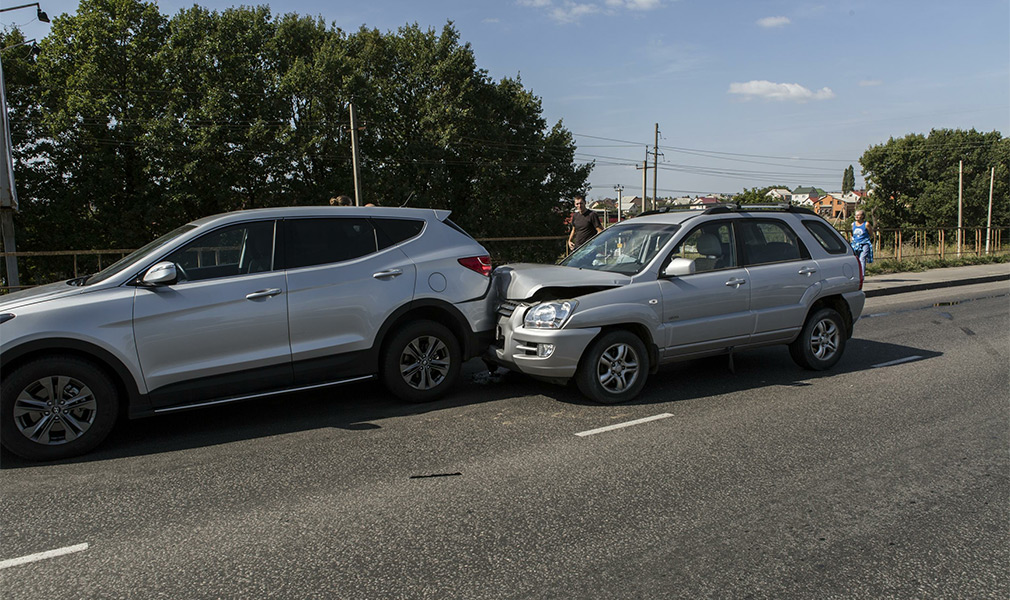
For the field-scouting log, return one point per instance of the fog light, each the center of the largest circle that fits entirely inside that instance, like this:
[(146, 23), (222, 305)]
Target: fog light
[(545, 350)]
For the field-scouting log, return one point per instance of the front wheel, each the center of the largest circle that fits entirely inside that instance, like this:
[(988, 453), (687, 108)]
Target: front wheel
[(614, 368), (822, 341), (56, 407), (421, 362)]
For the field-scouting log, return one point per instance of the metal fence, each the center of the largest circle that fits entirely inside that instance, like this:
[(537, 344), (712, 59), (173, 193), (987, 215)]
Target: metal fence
[(38, 268)]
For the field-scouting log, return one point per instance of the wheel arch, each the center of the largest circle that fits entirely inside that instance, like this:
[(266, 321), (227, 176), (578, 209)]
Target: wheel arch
[(118, 373), (433, 310), (839, 305), (642, 332)]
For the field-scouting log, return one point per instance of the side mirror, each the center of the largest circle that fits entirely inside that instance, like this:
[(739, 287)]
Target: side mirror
[(679, 267), (163, 273)]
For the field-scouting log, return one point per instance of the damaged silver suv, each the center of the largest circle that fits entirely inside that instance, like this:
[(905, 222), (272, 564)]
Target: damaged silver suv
[(678, 285)]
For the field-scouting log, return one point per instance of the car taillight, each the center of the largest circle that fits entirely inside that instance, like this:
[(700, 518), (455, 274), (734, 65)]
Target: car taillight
[(478, 264)]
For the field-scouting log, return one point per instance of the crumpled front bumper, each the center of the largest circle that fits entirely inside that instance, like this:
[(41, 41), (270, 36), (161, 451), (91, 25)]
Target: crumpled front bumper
[(528, 350)]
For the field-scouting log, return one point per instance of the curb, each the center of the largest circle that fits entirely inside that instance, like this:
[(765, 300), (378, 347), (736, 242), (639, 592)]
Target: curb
[(918, 287)]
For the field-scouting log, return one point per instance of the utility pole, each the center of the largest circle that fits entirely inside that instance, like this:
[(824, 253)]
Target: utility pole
[(655, 166), (354, 157), (620, 200), (645, 178), (960, 189), (988, 223), (8, 191)]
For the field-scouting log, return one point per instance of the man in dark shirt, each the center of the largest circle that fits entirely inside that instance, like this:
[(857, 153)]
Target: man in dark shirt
[(585, 224)]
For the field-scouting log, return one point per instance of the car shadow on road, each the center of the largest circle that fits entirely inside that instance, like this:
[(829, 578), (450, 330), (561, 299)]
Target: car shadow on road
[(358, 406), (364, 406), (755, 370)]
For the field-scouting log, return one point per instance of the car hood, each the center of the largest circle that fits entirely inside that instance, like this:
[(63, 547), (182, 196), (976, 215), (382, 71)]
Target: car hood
[(41, 293), (523, 281)]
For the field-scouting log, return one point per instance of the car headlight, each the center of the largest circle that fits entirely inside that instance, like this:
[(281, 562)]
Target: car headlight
[(550, 315)]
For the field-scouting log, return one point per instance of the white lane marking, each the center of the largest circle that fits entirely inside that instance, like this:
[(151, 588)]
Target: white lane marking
[(620, 425), (13, 562), (898, 362)]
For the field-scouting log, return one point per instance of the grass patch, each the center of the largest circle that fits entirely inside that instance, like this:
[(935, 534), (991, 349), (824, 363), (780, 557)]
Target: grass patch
[(911, 265)]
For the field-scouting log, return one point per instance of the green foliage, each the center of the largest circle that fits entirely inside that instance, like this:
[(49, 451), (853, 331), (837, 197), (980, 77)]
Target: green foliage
[(757, 195), (890, 265), (914, 179), (129, 123), (848, 180)]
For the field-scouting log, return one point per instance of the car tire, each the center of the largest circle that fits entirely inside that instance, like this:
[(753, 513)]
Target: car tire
[(56, 407), (421, 362), (614, 368), (821, 343)]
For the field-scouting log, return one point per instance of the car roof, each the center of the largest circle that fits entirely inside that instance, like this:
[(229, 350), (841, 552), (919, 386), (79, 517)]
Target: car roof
[(325, 211), (679, 215)]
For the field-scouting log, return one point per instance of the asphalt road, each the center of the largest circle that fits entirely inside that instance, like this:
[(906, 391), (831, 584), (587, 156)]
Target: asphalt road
[(888, 476)]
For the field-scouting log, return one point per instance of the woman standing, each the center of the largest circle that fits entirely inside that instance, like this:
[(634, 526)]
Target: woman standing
[(862, 232)]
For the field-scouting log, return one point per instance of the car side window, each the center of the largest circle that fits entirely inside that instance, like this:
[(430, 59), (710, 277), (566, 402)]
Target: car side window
[(710, 246), (770, 241), (826, 236), (234, 250), (310, 242), (389, 232)]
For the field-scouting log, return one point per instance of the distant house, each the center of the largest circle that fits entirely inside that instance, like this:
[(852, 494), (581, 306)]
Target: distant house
[(705, 201), (831, 207), (780, 195)]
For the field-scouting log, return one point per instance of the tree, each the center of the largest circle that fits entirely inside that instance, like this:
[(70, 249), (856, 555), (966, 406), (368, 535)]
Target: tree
[(757, 195), (848, 180), (130, 123), (914, 179)]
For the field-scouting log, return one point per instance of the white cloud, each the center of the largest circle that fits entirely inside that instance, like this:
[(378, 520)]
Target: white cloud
[(770, 22), (870, 82), (779, 91), (635, 4), (570, 11)]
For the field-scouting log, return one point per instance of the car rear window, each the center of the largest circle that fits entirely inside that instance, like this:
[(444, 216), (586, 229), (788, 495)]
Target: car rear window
[(390, 232), (827, 237), (310, 242)]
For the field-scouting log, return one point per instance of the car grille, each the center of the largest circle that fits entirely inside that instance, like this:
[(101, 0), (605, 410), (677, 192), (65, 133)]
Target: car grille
[(507, 307)]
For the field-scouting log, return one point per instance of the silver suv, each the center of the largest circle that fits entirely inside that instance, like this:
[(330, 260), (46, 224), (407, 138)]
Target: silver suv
[(678, 285), (241, 305)]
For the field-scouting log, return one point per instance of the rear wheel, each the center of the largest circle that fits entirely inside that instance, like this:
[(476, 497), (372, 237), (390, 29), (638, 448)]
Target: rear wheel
[(421, 362), (822, 341), (57, 407), (614, 368)]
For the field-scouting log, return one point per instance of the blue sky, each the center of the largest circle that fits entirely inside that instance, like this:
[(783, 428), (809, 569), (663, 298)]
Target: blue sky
[(746, 93)]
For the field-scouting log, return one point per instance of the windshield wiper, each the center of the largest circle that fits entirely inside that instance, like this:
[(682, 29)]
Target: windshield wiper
[(78, 281)]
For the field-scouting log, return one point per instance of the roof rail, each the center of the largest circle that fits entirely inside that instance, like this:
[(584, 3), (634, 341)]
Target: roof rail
[(779, 207), (727, 207)]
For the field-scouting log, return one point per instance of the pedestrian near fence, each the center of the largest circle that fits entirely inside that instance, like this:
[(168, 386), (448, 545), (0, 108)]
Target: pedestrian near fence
[(862, 234), (585, 224)]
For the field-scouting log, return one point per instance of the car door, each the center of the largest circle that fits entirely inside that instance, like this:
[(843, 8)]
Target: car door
[(781, 273), (221, 330), (342, 288), (709, 309)]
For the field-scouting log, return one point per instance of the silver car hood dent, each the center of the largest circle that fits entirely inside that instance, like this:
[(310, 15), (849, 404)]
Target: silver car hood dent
[(42, 293), (520, 281)]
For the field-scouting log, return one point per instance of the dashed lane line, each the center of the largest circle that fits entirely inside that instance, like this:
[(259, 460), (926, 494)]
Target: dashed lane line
[(621, 425), (13, 562), (898, 361)]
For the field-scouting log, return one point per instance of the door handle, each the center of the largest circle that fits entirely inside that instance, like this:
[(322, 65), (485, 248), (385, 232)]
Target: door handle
[(387, 273), (807, 271), (263, 294), (736, 282)]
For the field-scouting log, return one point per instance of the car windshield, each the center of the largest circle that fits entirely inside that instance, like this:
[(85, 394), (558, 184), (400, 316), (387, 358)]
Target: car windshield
[(114, 268), (622, 249)]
